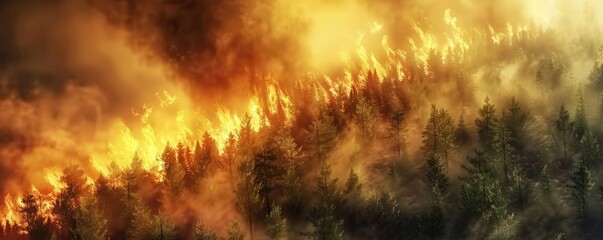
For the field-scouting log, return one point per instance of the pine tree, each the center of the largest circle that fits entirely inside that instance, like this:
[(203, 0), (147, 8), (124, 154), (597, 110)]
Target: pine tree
[(502, 144), (248, 193), (267, 172), (203, 233), (434, 225), (564, 130), (163, 228), (292, 184), (67, 202), (397, 126), (520, 190), (481, 192), (326, 226), (233, 231), (435, 175), (323, 136), (275, 224), (36, 225), (173, 174), (580, 185), (438, 136), (590, 152), (486, 123), (461, 134), (230, 152), (580, 123), (142, 224), (208, 158), (352, 185), (365, 118), (515, 120), (289, 152), (90, 223), (246, 140)]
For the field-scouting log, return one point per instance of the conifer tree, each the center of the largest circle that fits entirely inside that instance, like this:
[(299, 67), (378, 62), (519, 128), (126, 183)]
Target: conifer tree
[(67, 203), (397, 126), (580, 123), (580, 185), (461, 134), (204, 233), (275, 224), (438, 136), (248, 193), (434, 225), (172, 171), (323, 136), (326, 226), (520, 190), (36, 225), (233, 231), (90, 222), (435, 175), (481, 192), (485, 124), (503, 140), (352, 185), (564, 131), (365, 118)]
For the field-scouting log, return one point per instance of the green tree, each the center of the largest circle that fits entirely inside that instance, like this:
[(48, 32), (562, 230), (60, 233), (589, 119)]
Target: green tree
[(434, 226), (323, 136), (275, 224), (438, 136), (91, 225), (486, 123), (502, 143), (267, 172), (581, 182), (352, 185), (248, 193), (435, 176), (515, 120), (397, 127), (142, 224), (291, 154), (246, 141), (564, 130), (365, 118), (481, 192), (590, 151), (163, 228), (520, 190), (326, 226), (233, 231), (204, 233), (580, 123)]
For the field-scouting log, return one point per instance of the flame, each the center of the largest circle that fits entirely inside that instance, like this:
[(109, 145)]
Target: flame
[(171, 117), (10, 211)]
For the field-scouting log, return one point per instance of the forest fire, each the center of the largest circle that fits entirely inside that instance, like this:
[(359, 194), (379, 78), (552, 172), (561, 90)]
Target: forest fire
[(346, 119)]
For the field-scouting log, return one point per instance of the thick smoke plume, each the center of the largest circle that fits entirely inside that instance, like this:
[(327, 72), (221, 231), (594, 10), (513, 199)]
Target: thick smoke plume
[(81, 79)]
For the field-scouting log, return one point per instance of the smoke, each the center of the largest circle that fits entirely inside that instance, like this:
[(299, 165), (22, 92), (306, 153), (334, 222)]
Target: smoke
[(71, 70), (67, 75)]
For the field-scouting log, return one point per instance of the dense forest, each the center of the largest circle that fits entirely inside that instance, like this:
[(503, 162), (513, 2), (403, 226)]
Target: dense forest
[(502, 175), (445, 129)]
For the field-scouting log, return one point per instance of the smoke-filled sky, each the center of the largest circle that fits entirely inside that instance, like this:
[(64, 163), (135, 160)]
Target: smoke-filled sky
[(75, 74)]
